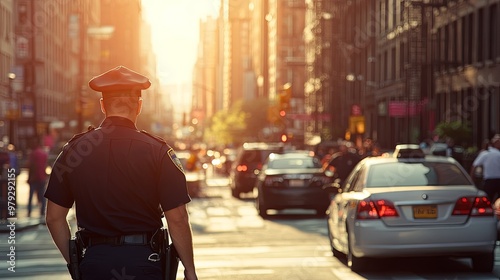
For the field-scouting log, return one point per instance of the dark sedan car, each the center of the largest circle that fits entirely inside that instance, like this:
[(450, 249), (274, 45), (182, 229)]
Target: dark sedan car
[(249, 161), (292, 180)]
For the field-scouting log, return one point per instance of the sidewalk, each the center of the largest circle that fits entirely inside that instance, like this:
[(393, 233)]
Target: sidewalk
[(22, 221)]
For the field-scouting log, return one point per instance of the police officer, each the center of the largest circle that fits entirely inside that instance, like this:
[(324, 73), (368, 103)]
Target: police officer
[(344, 161), (118, 177), (490, 162)]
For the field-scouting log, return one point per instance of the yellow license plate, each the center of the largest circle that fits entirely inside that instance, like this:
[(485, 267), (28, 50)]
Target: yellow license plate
[(425, 212)]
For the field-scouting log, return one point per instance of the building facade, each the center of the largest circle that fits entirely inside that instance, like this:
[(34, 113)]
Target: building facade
[(7, 70), (399, 68), (54, 48)]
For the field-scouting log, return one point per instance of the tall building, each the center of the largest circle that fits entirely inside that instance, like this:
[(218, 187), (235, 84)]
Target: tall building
[(237, 75), (54, 49), (465, 65), (286, 61), (399, 68), (7, 70), (49, 64), (206, 101)]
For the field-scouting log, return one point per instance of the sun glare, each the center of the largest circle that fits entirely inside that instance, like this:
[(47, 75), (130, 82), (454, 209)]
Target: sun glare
[(175, 34)]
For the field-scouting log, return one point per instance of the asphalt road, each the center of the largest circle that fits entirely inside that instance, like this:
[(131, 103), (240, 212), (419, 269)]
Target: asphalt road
[(233, 242)]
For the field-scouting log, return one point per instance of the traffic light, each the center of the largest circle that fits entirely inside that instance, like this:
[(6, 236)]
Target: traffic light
[(284, 137)]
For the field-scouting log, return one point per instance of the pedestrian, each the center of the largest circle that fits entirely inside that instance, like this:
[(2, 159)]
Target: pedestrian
[(476, 171), (490, 161), (122, 181), (496, 208), (344, 161), (13, 161), (37, 176)]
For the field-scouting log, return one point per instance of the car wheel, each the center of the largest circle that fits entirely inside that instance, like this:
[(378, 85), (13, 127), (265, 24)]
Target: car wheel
[(336, 253), (483, 262), (235, 193), (261, 208), (356, 264)]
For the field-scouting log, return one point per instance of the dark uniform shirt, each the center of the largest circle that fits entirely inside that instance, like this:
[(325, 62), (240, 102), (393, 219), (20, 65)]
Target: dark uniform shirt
[(118, 177)]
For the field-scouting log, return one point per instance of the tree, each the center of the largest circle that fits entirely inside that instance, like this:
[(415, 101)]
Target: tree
[(225, 127), (243, 122), (457, 131), (256, 111)]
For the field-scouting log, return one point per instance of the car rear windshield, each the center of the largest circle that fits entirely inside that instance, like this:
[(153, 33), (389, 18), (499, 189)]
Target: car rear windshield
[(294, 163), (415, 174), (255, 156)]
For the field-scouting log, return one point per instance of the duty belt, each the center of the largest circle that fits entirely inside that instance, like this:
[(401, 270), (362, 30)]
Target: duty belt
[(132, 239)]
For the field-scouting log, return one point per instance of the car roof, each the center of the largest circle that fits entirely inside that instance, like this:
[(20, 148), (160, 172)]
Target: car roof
[(261, 146), (294, 154), (427, 158)]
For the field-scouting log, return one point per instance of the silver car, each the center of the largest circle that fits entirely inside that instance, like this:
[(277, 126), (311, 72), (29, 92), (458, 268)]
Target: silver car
[(411, 205)]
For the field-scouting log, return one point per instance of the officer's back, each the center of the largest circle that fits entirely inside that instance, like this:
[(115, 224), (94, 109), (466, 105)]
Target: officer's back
[(121, 180)]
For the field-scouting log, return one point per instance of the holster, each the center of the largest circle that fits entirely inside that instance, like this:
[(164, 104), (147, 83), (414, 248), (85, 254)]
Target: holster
[(75, 257), (168, 255)]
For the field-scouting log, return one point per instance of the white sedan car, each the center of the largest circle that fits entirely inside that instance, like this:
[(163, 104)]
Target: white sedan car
[(411, 205)]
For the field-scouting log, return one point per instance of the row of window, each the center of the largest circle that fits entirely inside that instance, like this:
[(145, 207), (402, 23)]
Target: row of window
[(469, 39), (473, 38)]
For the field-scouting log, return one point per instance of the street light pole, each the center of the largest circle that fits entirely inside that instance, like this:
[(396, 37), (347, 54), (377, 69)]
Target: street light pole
[(12, 105)]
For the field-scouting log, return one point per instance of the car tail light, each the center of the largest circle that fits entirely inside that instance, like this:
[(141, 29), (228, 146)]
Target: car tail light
[(474, 206), (368, 209), (242, 168), (273, 181)]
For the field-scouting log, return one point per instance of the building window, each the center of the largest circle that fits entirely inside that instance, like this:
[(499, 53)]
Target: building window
[(402, 11), (386, 67), (393, 63), (464, 52), (386, 17), (493, 36), (480, 37), (441, 57), (394, 12), (454, 46), (470, 38), (446, 47), (402, 61)]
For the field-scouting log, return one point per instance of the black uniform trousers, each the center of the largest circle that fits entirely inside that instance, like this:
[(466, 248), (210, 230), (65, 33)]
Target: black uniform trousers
[(492, 188), (119, 262)]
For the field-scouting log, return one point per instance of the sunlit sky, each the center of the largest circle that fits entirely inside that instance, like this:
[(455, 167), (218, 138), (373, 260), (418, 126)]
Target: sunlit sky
[(175, 32)]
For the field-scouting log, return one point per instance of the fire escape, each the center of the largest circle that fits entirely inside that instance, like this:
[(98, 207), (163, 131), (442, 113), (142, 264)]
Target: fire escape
[(417, 65)]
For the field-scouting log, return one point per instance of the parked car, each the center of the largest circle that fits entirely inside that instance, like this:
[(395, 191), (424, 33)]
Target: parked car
[(195, 174), (249, 161), (293, 180), (407, 205)]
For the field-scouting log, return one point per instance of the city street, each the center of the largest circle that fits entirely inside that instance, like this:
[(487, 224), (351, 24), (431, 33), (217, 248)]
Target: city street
[(233, 242)]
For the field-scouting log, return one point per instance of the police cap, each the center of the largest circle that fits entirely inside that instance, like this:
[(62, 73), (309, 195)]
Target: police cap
[(119, 81)]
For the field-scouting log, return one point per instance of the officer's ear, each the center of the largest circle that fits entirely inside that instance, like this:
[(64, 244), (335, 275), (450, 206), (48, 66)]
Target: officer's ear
[(139, 106), (101, 101)]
